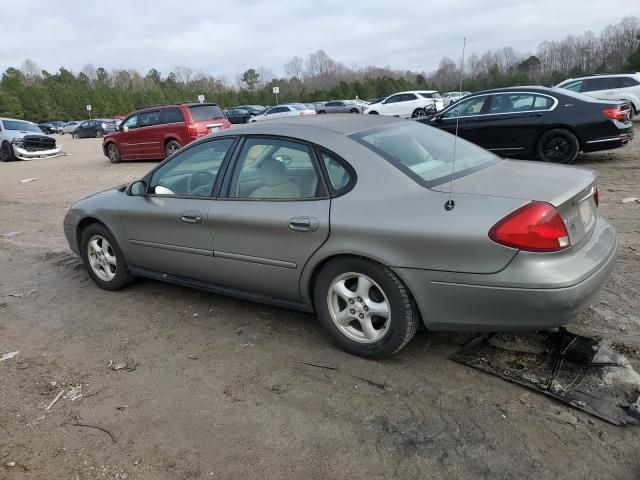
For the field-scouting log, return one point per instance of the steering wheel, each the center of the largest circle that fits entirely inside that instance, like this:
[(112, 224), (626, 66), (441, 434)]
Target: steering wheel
[(202, 186)]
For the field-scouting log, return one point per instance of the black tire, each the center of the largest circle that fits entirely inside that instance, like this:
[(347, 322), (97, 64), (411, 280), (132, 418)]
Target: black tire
[(6, 152), (113, 153), (558, 146), (418, 112), (373, 112), (321, 112), (403, 319), (99, 133), (354, 110), (122, 275), (171, 147)]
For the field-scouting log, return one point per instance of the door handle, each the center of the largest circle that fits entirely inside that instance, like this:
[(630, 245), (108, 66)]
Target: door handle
[(535, 115), (191, 217), (304, 224)]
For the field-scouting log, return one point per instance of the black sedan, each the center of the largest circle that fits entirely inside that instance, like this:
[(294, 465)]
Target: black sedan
[(253, 109), (238, 115), (550, 124), (94, 128)]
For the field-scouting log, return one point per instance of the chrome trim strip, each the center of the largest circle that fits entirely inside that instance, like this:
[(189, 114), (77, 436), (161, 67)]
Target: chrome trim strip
[(174, 248), (259, 260), (506, 148), (612, 139)]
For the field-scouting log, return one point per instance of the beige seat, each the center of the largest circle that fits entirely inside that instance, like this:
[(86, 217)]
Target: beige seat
[(275, 182)]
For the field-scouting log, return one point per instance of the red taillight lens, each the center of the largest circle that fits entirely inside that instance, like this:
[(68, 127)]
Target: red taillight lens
[(535, 227), (192, 130), (596, 197), (616, 113)]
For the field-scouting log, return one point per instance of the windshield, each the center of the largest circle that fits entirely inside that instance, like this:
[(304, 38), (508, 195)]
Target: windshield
[(425, 153), (18, 125), (205, 112)]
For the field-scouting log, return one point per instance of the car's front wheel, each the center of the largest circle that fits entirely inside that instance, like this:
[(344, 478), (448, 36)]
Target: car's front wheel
[(103, 258), (558, 146), (113, 153), (365, 307), (373, 112), (6, 152), (99, 133), (418, 112)]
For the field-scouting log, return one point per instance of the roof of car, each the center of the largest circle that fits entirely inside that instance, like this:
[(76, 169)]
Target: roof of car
[(343, 123), (531, 88), (16, 120), (605, 75)]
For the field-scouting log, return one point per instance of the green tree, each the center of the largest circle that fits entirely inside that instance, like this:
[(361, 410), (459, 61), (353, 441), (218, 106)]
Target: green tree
[(250, 78)]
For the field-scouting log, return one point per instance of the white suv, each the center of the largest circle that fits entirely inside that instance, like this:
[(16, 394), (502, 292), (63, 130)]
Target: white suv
[(407, 104), (609, 86)]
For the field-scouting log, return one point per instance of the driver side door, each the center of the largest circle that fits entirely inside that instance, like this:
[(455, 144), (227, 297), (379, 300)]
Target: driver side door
[(167, 229)]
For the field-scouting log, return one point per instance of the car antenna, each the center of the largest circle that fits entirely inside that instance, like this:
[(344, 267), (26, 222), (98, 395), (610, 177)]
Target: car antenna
[(449, 204)]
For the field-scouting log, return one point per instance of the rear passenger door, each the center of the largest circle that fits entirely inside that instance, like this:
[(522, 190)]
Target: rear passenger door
[(173, 126), (274, 217), (150, 135)]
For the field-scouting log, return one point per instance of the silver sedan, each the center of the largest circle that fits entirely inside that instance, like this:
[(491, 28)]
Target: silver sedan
[(368, 221)]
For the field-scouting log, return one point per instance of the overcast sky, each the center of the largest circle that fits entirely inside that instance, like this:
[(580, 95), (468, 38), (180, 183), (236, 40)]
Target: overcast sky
[(225, 37)]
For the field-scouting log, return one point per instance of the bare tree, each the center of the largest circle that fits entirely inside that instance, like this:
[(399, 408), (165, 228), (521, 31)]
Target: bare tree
[(30, 69), (183, 74), (294, 68)]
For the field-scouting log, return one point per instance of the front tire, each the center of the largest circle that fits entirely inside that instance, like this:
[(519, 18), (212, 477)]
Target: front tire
[(6, 152), (103, 258), (354, 110), (373, 112), (558, 146), (113, 153), (171, 147), (418, 112), (99, 134), (320, 112), (365, 307)]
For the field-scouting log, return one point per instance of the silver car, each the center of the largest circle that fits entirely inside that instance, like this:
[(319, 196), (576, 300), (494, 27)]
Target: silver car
[(366, 220), (284, 110), (340, 106)]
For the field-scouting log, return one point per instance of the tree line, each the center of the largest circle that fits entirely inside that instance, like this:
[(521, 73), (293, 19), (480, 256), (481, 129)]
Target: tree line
[(35, 94)]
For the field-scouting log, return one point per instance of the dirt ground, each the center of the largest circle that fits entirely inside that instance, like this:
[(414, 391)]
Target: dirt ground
[(214, 387)]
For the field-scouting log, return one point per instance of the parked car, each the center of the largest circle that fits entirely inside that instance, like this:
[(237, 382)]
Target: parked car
[(407, 104), (238, 115), (344, 215), (550, 124), (22, 140), (157, 132), (96, 128), (47, 128), (610, 86), (449, 98), (254, 109), (340, 106), (284, 110), (69, 127)]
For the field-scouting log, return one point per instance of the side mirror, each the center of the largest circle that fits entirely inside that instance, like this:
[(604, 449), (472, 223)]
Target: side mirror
[(124, 128), (137, 188), (438, 117)]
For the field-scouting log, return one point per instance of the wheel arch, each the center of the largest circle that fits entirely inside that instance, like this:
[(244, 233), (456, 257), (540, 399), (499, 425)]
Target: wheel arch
[(170, 138), (559, 126)]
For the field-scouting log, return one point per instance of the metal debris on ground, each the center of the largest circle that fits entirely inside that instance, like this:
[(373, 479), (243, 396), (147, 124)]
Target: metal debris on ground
[(631, 200), (582, 372), (88, 425), (21, 295), (27, 180), (319, 365), (74, 393), (54, 401), (121, 366), (8, 355)]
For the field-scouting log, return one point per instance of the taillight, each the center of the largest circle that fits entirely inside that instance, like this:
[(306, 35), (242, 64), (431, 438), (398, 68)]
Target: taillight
[(596, 197), (616, 113), (535, 227), (192, 130)]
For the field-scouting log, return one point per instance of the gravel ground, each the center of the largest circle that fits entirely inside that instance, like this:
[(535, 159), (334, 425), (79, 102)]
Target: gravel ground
[(214, 388)]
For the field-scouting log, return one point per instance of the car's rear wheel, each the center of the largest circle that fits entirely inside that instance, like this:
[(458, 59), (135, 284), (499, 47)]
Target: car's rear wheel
[(354, 110), (558, 146), (365, 307), (171, 147), (6, 152), (113, 153), (373, 112), (418, 112), (321, 111), (99, 133), (103, 258)]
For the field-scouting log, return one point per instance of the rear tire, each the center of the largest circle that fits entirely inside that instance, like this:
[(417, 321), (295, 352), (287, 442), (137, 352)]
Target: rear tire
[(354, 110), (99, 134), (171, 147), (558, 146), (418, 112), (348, 291), (6, 152), (113, 153), (321, 112), (103, 258), (373, 112)]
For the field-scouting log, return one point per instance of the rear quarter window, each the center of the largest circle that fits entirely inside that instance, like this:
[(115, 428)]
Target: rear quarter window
[(172, 115), (205, 112)]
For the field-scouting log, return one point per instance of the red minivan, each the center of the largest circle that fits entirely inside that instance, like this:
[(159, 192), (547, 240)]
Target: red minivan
[(156, 132)]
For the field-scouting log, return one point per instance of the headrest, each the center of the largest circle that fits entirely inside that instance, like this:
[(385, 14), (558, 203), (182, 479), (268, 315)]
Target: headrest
[(273, 172)]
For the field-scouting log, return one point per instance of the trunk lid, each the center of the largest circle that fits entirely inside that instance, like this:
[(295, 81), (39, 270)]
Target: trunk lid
[(571, 190), (207, 118)]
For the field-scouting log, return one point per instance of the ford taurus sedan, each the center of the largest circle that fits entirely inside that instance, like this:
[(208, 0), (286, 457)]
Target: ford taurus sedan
[(368, 221)]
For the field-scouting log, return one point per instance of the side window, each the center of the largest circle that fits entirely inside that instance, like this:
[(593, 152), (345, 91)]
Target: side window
[(542, 103), (131, 122), (193, 172), (394, 99), (472, 106), (408, 97), (275, 110), (332, 104), (595, 84), (148, 119), (171, 115), (511, 103), (339, 177), (625, 82), (575, 86), (274, 169)]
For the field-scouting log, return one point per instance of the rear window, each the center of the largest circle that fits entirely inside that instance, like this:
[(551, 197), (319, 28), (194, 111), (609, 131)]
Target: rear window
[(425, 153), (18, 125), (205, 112)]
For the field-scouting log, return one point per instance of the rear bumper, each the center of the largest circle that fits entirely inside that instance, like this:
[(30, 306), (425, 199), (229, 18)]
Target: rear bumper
[(23, 154), (535, 292), (610, 142)]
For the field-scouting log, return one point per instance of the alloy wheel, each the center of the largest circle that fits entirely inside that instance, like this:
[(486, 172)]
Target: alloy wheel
[(359, 307), (113, 153), (102, 258), (556, 148)]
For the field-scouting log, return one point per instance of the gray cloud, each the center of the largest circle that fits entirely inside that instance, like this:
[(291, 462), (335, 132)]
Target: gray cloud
[(225, 37)]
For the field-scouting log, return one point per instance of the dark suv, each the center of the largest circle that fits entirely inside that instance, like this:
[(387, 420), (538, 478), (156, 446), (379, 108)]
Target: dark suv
[(156, 132)]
